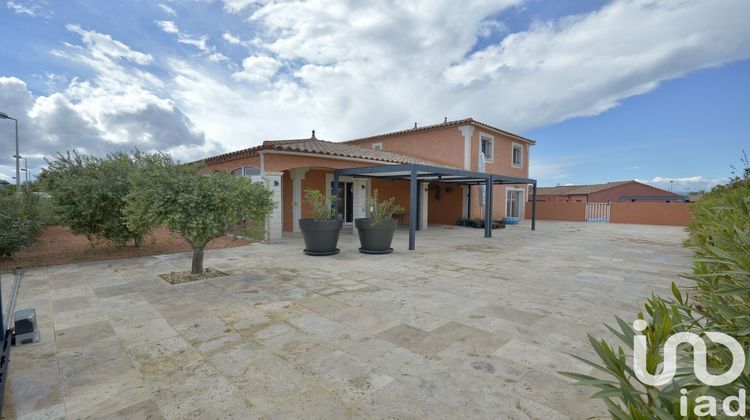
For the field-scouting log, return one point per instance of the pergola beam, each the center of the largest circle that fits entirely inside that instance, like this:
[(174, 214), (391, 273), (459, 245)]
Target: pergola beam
[(416, 173)]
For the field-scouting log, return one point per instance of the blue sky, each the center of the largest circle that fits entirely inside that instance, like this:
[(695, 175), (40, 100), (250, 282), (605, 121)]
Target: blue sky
[(611, 90)]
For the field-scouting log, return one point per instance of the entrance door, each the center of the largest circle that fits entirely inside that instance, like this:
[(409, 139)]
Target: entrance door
[(346, 201), (514, 201)]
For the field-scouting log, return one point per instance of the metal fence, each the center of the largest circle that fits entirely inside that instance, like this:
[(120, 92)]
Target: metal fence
[(597, 212)]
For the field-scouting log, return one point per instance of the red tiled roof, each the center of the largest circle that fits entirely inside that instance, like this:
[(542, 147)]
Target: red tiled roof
[(438, 127), (330, 148), (321, 147), (579, 189)]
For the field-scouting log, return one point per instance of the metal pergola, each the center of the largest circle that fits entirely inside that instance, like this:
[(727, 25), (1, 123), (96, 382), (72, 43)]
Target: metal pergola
[(416, 174)]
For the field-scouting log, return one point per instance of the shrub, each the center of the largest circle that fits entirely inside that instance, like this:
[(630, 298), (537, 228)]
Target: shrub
[(718, 300), (21, 221), (380, 211), (321, 205)]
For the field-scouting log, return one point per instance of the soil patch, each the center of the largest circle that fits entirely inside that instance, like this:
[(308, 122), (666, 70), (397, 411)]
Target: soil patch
[(179, 277)]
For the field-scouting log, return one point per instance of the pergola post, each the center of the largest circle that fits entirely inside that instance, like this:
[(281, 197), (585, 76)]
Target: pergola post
[(413, 191), (335, 193), (533, 206), (488, 207)]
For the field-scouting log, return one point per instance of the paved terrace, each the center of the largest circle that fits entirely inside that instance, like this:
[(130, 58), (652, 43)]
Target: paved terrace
[(463, 327)]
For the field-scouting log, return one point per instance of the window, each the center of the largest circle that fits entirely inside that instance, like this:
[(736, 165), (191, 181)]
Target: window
[(517, 155), (246, 171), (487, 145), (377, 146)]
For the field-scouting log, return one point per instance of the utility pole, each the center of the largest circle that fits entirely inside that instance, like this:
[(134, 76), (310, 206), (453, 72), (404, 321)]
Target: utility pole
[(4, 116)]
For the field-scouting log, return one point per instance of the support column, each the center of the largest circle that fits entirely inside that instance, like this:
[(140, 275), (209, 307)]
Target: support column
[(424, 197), (335, 193), (274, 223), (413, 209), (298, 175), (533, 206), (467, 131), (488, 208), (359, 194)]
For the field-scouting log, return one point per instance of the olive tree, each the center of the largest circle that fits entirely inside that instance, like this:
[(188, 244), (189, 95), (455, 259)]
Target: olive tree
[(199, 206), (89, 192)]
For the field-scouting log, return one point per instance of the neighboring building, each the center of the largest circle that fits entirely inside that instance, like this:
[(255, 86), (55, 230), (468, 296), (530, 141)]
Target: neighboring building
[(3, 184), (292, 166), (602, 193)]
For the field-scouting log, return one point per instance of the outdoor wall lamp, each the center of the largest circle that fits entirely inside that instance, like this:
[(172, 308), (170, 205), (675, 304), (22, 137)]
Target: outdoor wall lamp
[(275, 183)]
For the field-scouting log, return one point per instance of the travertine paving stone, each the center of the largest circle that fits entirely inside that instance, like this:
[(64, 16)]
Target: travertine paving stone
[(463, 327)]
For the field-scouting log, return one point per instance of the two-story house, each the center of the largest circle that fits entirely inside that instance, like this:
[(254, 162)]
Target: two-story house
[(292, 166)]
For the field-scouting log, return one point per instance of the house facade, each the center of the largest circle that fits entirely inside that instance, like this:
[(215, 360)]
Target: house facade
[(618, 191), (289, 167)]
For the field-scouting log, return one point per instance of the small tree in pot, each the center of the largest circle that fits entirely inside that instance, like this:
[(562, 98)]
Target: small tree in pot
[(376, 229), (321, 232)]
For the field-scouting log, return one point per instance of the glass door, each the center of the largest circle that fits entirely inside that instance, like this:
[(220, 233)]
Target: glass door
[(346, 201), (514, 202)]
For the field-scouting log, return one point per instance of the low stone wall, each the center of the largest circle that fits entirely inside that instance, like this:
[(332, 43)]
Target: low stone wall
[(645, 213)]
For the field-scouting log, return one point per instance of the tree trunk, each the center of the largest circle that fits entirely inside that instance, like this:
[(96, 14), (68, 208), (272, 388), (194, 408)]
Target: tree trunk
[(138, 240), (197, 267)]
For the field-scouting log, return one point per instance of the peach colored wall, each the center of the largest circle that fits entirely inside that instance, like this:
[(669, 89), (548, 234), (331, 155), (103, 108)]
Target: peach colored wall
[(633, 188), (449, 208), (651, 213), (397, 188), (315, 179), (566, 211), (502, 161), (444, 146), (646, 213)]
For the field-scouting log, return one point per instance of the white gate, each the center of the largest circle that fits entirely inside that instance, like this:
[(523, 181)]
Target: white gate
[(597, 212)]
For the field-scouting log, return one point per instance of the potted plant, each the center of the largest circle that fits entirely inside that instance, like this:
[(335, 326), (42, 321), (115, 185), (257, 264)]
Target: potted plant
[(321, 232), (477, 223), (376, 229)]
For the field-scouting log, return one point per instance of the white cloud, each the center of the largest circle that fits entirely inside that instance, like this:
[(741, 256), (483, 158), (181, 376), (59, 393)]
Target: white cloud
[(121, 108), (168, 10), (236, 6), (103, 45), (234, 40), (684, 184), (257, 68), (168, 26), (585, 65), (33, 8)]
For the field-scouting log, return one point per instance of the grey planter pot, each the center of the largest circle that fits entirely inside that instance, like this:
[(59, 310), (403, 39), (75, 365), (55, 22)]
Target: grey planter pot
[(321, 238), (375, 239)]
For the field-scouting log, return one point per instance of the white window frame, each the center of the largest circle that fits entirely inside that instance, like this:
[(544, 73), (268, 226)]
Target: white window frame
[(512, 149), (377, 146), (485, 136)]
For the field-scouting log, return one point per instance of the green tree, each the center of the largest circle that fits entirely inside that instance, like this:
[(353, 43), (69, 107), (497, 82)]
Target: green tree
[(199, 206), (21, 220), (89, 194)]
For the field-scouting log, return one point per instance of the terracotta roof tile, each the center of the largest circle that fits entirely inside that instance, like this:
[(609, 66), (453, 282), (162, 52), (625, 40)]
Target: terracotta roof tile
[(330, 148), (322, 147), (445, 124), (579, 189)]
